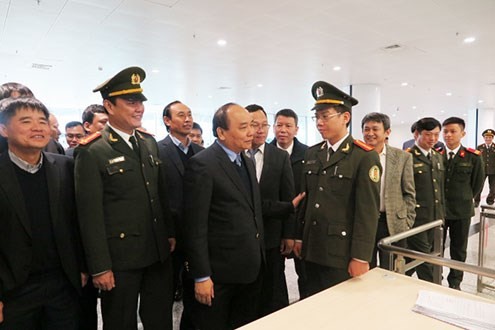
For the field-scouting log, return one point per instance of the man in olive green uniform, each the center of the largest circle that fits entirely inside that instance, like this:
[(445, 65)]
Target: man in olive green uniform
[(464, 178), (341, 178), (125, 223), (428, 178), (487, 150)]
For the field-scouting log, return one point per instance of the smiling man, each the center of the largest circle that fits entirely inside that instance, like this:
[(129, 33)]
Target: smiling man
[(223, 226), (123, 212), (341, 178), (397, 192), (40, 261)]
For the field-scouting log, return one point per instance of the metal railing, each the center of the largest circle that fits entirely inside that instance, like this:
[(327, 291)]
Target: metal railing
[(435, 258), (483, 230)]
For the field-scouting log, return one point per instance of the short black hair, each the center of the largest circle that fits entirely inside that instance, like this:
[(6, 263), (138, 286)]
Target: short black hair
[(413, 127), (287, 113), (197, 126), (7, 89), (454, 120), (255, 107), (220, 118), (376, 117), (10, 106), (427, 124), (166, 110), (89, 113), (71, 124)]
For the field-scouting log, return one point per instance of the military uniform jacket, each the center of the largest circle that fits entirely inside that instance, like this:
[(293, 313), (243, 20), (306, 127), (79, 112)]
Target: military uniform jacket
[(488, 155), (340, 214), (429, 182), (120, 203), (464, 178)]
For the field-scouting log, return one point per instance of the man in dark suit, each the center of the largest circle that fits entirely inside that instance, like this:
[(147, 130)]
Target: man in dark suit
[(223, 225), (54, 146), (276, 184), (285, 130), (429, 171), (487, 150), (339, 216), (40, 258), (124, 218), (464, 178), (175, 150)]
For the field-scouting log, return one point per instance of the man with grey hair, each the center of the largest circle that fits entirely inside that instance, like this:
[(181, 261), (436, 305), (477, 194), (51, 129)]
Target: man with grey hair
[(397, 191)]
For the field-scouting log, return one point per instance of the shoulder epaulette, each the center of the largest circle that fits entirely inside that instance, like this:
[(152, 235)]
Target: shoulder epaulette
[(319, 144), (363, 145), (474, 151), (408, 150), (89, 138), (142, 130)]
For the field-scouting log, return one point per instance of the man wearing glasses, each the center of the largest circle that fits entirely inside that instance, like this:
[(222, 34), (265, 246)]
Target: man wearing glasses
[(74, 132), (341, 178)]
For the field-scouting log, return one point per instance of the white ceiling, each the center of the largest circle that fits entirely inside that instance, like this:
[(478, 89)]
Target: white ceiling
[(285, 45)]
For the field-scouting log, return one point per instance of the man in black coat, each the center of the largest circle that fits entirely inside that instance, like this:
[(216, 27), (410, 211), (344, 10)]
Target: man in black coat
[(285, 130), (276, 184), (223, 226), (175, 150), (40, 258)]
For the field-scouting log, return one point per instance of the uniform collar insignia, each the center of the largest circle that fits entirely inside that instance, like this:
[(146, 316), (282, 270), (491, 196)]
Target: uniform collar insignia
[(346, 148), (111, 138)]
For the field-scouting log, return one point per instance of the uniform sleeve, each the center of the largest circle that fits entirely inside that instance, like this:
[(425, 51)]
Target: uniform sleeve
[(409, 189), (89, 201), (478, 175), (367, 206), (198, 190)]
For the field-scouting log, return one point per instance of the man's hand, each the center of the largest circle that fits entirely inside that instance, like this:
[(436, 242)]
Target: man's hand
[(172, 243), (286, 246), (297, 249), (357, 268), (298, 199), (203, 291), (1, 312), (105, 281), (84, 279)]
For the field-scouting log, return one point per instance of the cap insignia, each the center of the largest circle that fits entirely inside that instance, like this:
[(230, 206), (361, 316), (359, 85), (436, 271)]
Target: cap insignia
[(319, 92), (135, 79)]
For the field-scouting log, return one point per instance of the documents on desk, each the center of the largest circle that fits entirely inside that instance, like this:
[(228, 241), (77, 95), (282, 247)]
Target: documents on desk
[(379, 299), (465, 313)]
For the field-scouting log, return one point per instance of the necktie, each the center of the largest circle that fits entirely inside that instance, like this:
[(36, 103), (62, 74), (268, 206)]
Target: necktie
[(429, 155), (451, 155), (134, 144), (329, 153), (252, 153), (238, 161)]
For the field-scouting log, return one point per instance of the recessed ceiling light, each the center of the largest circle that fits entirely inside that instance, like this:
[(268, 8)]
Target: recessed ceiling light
[(480, 101), (155, 70), (404, 84), (464, 114), (442, 111), (210, 97), (448, 94), (221, 42), (260, 85), (414, 107), (336, 68), (402, 122), (276, 103), (469, 40), (394, 115)]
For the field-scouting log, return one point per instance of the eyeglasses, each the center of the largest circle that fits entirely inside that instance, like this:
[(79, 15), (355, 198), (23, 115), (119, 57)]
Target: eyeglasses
[(74, 136), (258, 125), (325, 116)]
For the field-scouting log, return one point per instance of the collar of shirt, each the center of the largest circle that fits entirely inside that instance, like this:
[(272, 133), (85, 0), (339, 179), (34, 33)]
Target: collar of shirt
[(232, 155), (447, 150), (184, 148), (22, 164), (289, 148), (425, 152), (123, 135), (336, 146)]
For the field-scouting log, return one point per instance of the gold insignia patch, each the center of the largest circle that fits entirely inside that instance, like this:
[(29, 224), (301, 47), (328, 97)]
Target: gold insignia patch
[(135, 79), (346, 148), (111, 138), (374, 173)]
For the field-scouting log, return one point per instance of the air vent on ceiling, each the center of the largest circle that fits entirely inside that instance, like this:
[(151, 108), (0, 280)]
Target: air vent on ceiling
[(392, 47), (41, 66), (224, 87)]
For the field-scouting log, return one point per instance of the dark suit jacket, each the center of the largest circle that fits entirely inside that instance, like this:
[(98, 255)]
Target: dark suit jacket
[(54, 147), (174, 173), (121, 206), (277, 191), (15, 229), (464, 178), (223, 224), (297, 161)]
